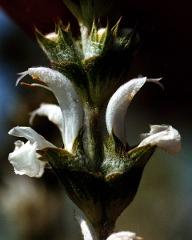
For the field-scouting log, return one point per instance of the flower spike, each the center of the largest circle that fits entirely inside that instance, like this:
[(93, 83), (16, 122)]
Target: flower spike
[(101, 174)]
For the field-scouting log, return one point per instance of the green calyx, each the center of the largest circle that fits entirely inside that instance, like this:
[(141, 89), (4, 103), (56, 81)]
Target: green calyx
[(101, 193), (64, 55), (60, 48), (119, 160), (97, 63)]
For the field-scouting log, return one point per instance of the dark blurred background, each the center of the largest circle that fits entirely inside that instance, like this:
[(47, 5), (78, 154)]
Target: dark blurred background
[(39, 209)]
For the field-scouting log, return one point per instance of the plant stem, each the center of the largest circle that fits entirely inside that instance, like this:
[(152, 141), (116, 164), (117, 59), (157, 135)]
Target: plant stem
[(94, 139)]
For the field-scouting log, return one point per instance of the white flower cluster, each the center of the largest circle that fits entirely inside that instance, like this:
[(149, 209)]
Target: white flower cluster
[(69, 117)]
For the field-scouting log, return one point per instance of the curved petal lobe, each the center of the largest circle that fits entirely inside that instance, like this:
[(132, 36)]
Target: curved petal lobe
[(163, 136), (51, 111), (25, 159), (68, 100), (118, 104), (31, 135)]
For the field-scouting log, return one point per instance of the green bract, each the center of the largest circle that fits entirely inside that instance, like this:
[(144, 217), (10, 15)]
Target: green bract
[(104, 193), (97, 63)]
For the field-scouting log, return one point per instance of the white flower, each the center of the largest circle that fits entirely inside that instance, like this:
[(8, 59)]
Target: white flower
[(31, 135), (68, 116), (85, 229), (69, 102), (25, 159), (163, 136), (88, 235), (125, 235), (118, 104)]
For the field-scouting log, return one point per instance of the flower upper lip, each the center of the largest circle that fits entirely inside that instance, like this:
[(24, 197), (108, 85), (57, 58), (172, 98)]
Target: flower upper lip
[(69, 103), (163, 136), (31, 135), (117, 107)]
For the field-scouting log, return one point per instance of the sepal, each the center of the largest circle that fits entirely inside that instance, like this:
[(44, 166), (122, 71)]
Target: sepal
[(59, 158), (108, 53), (102, 195), (65, 56), (118, 160), (62, 48), (96, 42)]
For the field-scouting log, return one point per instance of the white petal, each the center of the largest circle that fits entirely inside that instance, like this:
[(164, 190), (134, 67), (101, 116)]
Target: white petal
[(68, 100), (31, 135), (123, 236), (53, 36), (118, 104), (163, 136), (25, 159), (51, 111), (84, 228)]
